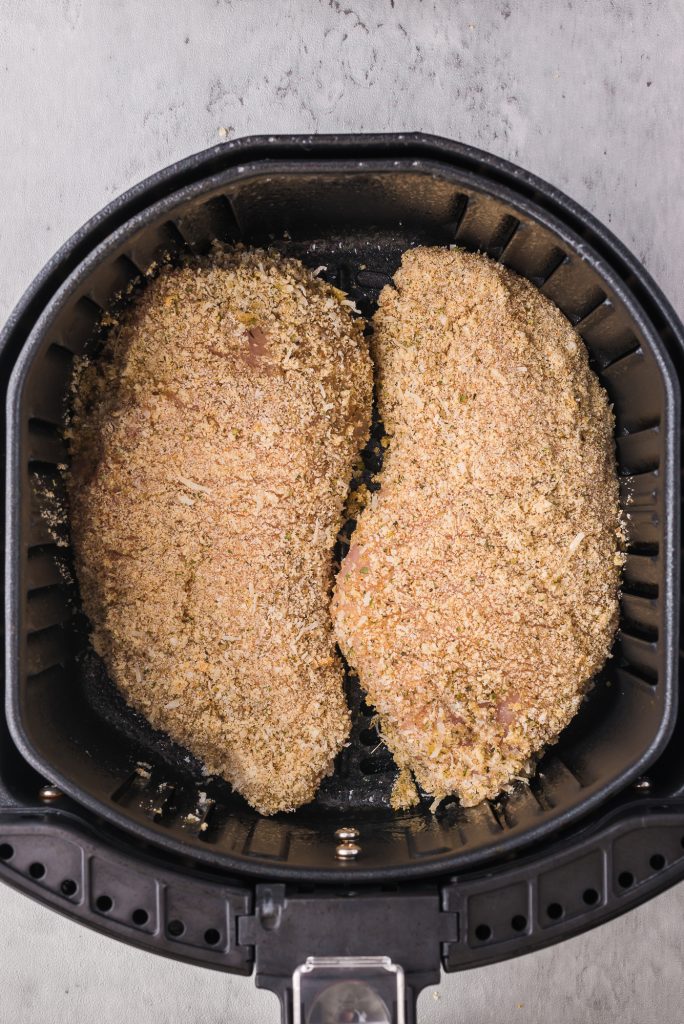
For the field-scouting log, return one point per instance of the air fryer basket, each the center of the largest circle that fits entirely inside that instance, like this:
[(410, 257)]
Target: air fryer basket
[(355, 217)]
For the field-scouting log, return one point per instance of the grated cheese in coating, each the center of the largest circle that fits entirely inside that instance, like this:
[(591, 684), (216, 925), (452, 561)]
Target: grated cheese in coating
[(480, 594), (213, 445)]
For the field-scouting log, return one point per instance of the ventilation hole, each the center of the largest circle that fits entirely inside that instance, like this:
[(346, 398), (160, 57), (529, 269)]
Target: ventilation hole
[(36, 870), (483, 932), (68, 887), (555, 911), (369, 737), (140, 916), (104, 903), (7, 851), (212, 937), (175, 928), (518, 923), (657, 862), (590, 897), (625, 879)]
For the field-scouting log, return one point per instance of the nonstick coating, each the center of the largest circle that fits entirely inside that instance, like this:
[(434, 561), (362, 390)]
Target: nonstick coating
[(356, 217)]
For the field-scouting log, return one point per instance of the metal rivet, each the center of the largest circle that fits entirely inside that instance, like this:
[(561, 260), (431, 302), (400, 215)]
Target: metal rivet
[(347, 851), (50, 792), (347, 832), (642, 785)]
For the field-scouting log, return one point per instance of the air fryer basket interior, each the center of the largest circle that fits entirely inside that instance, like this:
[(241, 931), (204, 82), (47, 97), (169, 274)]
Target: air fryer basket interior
[(355, 219)]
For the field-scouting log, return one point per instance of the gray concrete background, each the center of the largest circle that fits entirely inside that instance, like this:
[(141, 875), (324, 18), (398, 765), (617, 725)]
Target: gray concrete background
[(96, 95)]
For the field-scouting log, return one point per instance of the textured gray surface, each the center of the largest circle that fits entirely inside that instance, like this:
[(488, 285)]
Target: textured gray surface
[(96, 95)]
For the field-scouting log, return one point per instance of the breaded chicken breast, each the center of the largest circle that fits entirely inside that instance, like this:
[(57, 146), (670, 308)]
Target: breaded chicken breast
[(480, 594), (212, 449)]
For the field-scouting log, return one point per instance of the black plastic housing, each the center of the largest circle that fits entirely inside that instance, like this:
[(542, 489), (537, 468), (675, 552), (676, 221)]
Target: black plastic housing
[(353, 205)]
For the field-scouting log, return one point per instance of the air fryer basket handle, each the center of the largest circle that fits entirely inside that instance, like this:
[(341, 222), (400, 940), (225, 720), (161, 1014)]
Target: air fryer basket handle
[(347, 952)]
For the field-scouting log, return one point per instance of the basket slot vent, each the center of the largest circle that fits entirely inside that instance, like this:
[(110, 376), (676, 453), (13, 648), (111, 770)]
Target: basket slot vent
[(572, 288), (215, 219), (483, 227), (641, 570), (81, 325), (502, 237), (45, 443), (606, 334), (522, 806), (505, 811), (429, 843), (45, 650), (47, 509), (482, 817), (112, 281), (149, 247), (638, 588), (639, 451), (630, 374), (146, 796), (47, 396), (639, 655), (45, 608), (595, 317), (202, 818), (569, 771), (642, 526), (162, 807), (641, 613), (624, 363), (626, 678), (541, 793), (530, 254), (640, 491), (636, 628), (40, 533), (126, 786), (620, 361), (42, 569), (496, 810), (459, 205), (268, 839), (560, 781)]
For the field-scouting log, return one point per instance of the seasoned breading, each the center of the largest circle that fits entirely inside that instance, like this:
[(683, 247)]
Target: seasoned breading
[(213, 444), (480, 594)]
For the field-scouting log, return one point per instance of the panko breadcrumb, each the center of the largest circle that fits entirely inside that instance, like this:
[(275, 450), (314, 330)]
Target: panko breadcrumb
[(212, 447), (480, 594)]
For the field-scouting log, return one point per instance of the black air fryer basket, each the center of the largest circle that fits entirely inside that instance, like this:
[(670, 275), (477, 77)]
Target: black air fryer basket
[(111, 822)]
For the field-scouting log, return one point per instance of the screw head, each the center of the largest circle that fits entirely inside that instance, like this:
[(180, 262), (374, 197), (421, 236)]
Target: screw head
[(347, 832), (49, 792), (347, 851)]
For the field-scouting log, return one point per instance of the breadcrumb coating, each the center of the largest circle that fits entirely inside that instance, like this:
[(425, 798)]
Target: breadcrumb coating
[(480, 594), (212, 448)]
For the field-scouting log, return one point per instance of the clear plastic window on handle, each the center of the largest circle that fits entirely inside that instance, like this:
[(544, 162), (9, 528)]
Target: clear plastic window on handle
[(348, 990)]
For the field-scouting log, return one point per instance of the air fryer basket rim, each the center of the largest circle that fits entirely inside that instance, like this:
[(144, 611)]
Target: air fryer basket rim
[(203, 186), (360, 145)]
